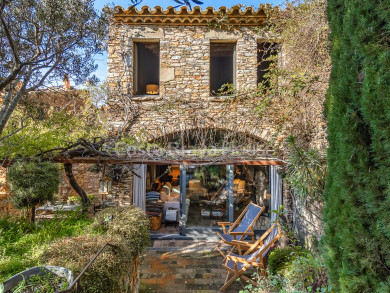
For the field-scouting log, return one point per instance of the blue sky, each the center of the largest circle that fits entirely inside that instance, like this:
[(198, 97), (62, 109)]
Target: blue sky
[(101, 60)]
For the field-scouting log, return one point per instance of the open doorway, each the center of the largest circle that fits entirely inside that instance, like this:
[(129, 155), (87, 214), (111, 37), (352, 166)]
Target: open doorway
[(208, 196), (204, 197), (163, 198)]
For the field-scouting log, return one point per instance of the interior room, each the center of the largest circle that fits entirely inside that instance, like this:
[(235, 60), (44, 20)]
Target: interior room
[(206, 195)]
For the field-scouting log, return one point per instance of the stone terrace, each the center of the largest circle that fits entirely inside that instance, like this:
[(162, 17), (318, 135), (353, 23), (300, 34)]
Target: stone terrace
[(184, 265)]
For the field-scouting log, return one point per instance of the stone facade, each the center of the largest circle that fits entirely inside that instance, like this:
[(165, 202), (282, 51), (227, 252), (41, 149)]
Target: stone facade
[(184, 101)]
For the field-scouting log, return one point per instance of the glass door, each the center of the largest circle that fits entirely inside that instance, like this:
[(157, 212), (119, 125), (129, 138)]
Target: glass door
[(207, 197)]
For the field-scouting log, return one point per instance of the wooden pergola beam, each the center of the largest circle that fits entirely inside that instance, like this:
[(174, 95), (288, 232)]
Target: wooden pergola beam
[(100, 160)]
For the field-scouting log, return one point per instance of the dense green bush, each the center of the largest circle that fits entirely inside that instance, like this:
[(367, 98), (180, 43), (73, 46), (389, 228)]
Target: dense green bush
[(278, 259), (32, 183), (130, 222), (292, 270), (306, 272), (357, 192)]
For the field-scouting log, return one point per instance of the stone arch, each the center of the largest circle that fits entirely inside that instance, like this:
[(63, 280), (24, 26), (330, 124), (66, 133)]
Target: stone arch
[(206, 137), (151, 131)]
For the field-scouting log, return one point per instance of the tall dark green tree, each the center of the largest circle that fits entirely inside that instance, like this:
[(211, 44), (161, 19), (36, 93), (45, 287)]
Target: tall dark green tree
[(357, 192)]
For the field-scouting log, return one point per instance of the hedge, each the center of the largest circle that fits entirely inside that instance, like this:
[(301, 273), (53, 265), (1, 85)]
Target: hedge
[(357, 192)]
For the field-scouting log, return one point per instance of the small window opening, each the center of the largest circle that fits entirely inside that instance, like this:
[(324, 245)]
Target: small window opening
[(264, 61), (105, 186), (147, 68), (221, 66)]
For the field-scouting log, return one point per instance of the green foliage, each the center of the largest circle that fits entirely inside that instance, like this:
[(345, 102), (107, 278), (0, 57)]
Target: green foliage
[(22, 242), (210, 176), (31, 26), (76, 199), (72, 240), (42, 283), (357, 194), (278, 259), (301, 32), (50, 126), (131, 223), (32, 183), (306, 172), (298, 271)]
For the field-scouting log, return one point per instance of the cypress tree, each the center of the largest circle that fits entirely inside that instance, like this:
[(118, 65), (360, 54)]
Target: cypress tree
[(357, 192)]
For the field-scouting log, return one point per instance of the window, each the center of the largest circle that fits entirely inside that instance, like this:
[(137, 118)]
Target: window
[(221, 66), (264, 52), (146, 68), (105, 186)]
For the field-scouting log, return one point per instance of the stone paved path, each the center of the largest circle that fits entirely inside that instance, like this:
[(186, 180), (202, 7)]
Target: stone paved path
[(183, 265)]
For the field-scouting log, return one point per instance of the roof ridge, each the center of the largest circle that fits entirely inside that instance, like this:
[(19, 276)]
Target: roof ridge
[(183, 16)]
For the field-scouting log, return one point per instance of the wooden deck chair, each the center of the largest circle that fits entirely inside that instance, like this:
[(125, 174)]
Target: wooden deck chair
[(236, 265), (241, 228)]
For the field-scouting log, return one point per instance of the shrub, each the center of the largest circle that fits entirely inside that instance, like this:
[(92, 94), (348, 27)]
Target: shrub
[(131, 223), (305, 272), (105, 274), (32, 183), (292, 270), (278, 259), (76, 199)]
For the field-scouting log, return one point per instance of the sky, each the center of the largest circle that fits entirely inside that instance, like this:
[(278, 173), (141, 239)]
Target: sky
[(101, 60)]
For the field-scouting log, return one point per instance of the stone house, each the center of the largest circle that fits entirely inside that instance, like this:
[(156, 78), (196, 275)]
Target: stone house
[(165, 72), (167, 75)]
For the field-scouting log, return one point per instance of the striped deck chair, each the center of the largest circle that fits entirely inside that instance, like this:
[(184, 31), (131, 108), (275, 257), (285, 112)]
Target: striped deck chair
[(236, 264), (241, 228)]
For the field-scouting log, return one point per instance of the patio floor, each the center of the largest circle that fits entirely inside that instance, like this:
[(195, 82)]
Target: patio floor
[(184, 265)]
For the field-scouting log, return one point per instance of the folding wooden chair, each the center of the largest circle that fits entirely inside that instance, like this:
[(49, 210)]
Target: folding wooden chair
[(236, 264), (241, 228)]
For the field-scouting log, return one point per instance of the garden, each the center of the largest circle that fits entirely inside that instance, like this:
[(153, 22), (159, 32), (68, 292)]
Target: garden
[(71, 240), (325, 91)]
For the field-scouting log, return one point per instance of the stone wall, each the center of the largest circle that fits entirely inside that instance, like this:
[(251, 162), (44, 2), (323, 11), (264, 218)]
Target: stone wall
[(184, 101), (89, 181), (307, 220), (121, 192), (5, 205)]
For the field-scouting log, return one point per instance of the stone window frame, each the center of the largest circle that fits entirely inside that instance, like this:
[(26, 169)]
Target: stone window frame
[(224, 41), (144, 97), (106, 184)]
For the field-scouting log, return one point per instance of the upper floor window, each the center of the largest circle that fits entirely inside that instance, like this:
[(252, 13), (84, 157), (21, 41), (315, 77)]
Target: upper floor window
[(146, 68), (222, 63), (265, 51)]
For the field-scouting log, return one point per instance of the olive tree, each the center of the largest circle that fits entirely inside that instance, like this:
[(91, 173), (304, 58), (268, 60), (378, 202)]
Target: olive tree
[(32, 183), (41, 41)]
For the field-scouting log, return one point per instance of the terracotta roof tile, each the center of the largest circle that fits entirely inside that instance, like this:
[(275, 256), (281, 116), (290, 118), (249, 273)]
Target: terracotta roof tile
[(183, 16)]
